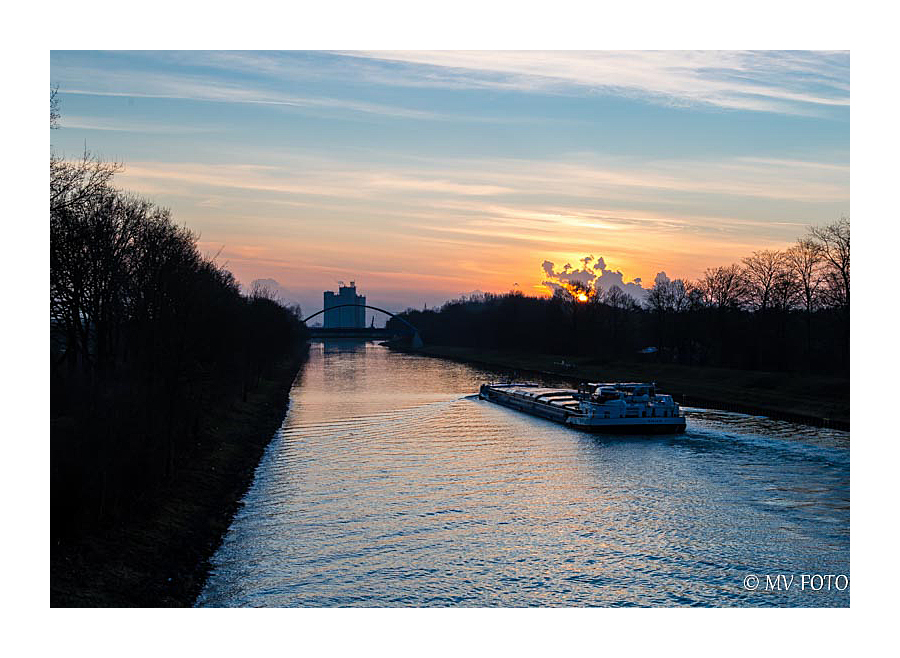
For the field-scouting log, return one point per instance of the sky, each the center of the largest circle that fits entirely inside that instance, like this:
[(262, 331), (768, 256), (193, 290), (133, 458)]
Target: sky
[(424, 176)]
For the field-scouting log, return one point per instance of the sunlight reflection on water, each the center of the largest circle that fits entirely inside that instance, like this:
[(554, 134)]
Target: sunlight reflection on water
[(390, 485)]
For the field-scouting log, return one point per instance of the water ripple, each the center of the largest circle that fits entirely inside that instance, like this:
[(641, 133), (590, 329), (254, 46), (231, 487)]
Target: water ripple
[(389, 484)]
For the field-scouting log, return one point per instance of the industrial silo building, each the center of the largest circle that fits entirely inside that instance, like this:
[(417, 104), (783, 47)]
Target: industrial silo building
[(353, 313)]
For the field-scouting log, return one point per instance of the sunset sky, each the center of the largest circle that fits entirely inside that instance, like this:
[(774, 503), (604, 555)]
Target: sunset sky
[(427, 175)]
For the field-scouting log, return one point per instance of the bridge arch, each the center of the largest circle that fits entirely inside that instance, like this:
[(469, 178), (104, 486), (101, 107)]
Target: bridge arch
[(416, 340)]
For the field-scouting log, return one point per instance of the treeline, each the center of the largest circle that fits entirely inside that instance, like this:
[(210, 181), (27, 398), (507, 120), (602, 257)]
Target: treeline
[(782, 310), (148, 339)]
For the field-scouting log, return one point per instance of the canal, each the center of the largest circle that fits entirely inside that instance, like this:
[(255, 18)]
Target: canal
[(389, 484)]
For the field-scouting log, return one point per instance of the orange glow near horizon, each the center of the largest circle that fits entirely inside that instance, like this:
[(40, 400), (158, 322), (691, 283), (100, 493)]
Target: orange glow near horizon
[(428, 176), (421, 269), (466, 226)]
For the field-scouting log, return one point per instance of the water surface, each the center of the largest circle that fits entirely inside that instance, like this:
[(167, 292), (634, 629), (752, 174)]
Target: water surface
[(390, 485)]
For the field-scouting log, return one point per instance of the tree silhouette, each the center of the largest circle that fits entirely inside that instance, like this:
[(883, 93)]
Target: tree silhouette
[(147, 336), (768, 313), (834, 242)]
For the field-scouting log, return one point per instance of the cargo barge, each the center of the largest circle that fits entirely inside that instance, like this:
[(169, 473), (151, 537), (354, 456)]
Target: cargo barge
[(614, 408)]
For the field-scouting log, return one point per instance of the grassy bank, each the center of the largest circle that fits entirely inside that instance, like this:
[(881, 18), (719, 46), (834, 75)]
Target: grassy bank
[(160, 555), (813, 399)]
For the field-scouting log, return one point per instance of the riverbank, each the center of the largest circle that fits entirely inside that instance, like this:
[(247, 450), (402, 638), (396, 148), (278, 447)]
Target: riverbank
[(811, 399), (160, 556)]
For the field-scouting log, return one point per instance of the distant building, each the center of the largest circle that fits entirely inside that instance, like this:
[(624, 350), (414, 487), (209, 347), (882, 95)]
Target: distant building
[(348, 316)]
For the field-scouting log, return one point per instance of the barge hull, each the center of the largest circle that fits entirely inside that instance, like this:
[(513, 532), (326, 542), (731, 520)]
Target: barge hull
[(575, 420), (632, 428)]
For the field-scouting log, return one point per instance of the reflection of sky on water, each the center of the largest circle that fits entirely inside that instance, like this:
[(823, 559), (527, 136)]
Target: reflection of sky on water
[(390, 485)]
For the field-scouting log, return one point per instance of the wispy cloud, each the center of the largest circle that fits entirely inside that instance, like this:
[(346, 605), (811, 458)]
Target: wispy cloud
[(180, 90), (790, 82), (208, 88), (787, 82), (333, 181), (118, 125), (591, 180), (453, 209), (466, 169)]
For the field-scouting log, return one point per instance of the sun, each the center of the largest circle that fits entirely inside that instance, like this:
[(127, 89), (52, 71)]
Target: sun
[(582, 297)]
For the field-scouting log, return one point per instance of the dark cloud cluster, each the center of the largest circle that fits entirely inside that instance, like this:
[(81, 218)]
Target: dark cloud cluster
[(592, 275)]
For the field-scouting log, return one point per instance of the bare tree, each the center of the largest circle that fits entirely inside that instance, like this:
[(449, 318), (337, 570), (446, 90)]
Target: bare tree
[(54, 107), (84, 223), (723, 287), (95, 255), (77, 182), (763, 271), (834, 242), (260, 290), (803, 260), (666, 299), (74, 188), (619, 299), (682, 292), (786, 291), (659, 299), (669, 296)]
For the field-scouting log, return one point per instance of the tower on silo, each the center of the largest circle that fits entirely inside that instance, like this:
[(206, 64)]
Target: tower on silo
[(352, 315)]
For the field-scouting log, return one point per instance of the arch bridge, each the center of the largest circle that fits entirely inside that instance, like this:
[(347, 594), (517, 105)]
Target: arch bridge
[(346, 332)]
